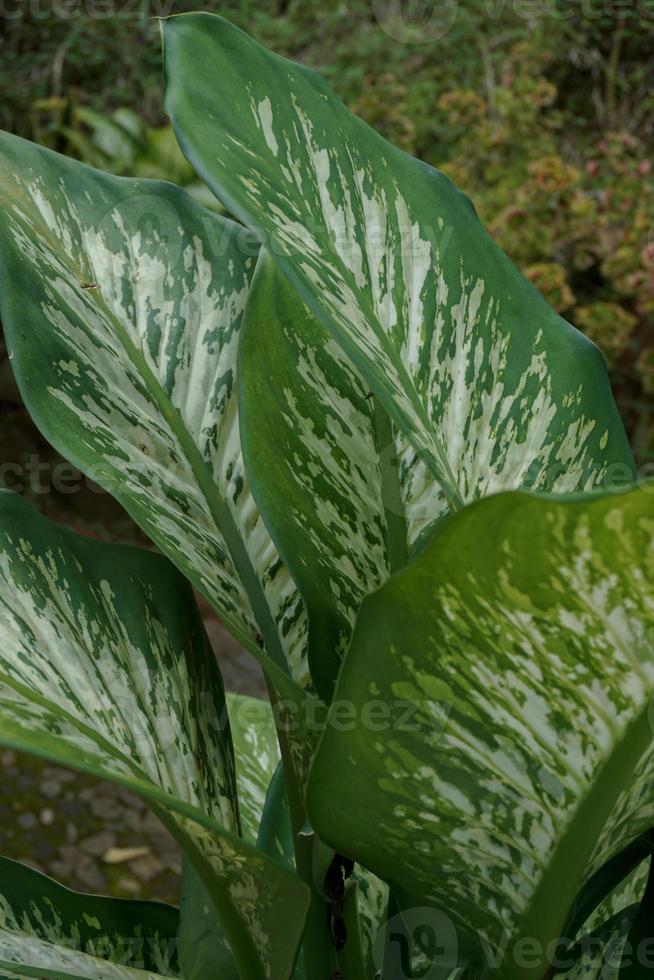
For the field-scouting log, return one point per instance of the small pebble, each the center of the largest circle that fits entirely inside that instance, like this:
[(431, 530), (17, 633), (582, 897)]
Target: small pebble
[(27, 821), (97, 844), (51, 788), (121, 855)]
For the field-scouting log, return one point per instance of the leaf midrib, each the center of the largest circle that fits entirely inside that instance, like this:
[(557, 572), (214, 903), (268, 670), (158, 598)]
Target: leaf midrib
[(139, 781), (219, 511), (443, 473), (542, 918), (395, 524)]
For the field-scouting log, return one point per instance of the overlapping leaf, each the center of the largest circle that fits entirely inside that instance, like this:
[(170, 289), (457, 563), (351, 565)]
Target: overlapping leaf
[(105, 667), (48, 931), (319, 463), (121, 302), (431, 374), (257, 757), (488, 388), (502, 683)]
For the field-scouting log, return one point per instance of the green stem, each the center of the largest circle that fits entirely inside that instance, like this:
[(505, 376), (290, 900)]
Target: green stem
[(396, 529), (393, 914), (315, 943), (350, 958)]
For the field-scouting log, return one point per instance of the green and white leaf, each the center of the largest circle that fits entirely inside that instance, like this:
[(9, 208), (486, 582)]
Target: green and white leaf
[(487, 387), (317, 452), (480, 385), (626, 894), (515, 661), (257, 756), (600, 954), (372, 909), (121, 302), (105, 667), (47, 930)]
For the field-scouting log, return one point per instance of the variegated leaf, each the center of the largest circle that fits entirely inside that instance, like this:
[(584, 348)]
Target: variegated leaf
[(625, 893), (502, 685), (600, 954), (488, 388), (47, 930), (121, 302), (105, 667), (372, 910), (257, 757), (320, 465)]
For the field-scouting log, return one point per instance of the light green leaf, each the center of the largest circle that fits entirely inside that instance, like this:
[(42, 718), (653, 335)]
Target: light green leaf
[(502, 685), (257, 756), (488, 388), (105, 667), (49, 931), (121, 302)]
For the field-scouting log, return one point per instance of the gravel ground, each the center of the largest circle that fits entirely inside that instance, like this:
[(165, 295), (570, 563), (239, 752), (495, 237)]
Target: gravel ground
[(90, 834)]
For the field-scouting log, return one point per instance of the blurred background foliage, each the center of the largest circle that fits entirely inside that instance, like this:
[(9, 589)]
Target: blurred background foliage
[(541, 110)]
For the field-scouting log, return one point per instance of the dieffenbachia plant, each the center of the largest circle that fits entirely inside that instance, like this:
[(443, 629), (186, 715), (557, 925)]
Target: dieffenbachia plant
[(400, 480)]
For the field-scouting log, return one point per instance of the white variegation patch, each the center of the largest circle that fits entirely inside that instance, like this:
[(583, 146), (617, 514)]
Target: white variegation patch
[(372, 907), (528, 672), (315, 461), (71, 668), (480, 432), (126, 353), (51, 960), (489, 390), (599, 954), (47, 930), (257, 756), (105, 666)]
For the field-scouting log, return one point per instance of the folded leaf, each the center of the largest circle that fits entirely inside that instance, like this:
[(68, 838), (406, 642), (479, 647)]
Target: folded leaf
[(121, 302), (47, 930), (502, 685), (105, 667), (488, 388)]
